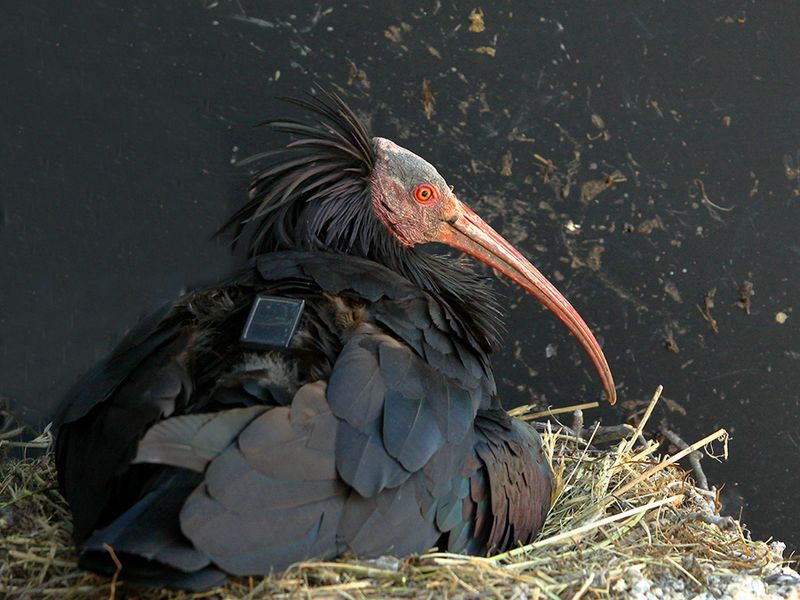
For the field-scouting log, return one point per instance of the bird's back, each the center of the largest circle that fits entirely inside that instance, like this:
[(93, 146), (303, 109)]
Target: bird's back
[(194, 456)]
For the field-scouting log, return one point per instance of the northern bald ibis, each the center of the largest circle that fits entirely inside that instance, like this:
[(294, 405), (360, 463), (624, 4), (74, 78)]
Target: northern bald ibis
[(335, 396)]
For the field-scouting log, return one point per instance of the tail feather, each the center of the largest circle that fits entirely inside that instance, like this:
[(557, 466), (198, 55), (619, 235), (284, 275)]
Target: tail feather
[(150, 546)]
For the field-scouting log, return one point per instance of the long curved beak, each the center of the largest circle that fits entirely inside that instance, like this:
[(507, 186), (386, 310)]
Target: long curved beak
[(466, 231)]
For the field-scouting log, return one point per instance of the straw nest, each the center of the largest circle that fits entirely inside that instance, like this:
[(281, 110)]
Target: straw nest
[(626, 522)]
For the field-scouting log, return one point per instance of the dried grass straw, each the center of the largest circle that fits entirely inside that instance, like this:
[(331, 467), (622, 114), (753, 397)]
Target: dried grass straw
[(625, 523)]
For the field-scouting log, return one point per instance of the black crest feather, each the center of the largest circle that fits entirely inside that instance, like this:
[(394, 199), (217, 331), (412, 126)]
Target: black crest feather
[(315, 193)]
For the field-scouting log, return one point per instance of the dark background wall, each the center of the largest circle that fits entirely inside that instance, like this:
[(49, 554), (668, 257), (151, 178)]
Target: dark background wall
[(122, 121)]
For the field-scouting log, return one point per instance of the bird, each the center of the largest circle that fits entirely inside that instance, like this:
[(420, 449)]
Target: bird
[(332, 397)]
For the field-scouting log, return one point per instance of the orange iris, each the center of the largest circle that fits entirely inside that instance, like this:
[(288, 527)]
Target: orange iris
[(423, 193)]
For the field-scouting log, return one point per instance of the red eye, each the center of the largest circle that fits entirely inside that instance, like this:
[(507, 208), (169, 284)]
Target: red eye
[(423, 193)]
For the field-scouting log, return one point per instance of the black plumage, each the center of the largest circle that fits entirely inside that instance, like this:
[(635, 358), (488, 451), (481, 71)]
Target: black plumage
[(377, 430)]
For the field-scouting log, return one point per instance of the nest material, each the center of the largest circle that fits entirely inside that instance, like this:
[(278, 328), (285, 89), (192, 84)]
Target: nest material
[(625, 523)]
